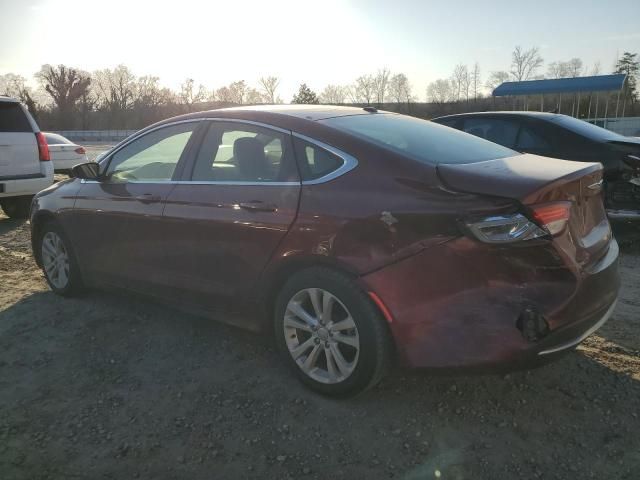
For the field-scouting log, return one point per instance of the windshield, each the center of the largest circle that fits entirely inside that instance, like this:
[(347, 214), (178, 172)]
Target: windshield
[(586, 129), (419, 139)]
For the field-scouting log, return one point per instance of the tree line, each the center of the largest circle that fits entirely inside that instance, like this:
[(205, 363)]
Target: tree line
[(70, 98)]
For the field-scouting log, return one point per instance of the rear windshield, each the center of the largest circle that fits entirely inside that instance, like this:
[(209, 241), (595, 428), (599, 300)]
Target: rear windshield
[(419, 139), (13, 119), (586, 129)]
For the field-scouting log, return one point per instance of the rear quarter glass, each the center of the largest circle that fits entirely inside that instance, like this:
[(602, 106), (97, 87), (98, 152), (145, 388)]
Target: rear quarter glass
[(13, 119), (421, 140)]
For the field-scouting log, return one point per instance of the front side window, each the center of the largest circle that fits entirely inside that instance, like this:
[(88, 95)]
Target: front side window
[(421, 140), (152, 157), (235, 152), (502, 132)]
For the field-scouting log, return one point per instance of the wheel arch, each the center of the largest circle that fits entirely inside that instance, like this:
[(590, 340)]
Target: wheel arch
[(39, 219)]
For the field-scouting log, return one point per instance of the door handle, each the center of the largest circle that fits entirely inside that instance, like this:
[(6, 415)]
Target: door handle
[(148, 198), (257, 206)]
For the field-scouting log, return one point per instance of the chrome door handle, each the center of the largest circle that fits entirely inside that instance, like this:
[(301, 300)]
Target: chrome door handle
[(148, 198), (258, 206)]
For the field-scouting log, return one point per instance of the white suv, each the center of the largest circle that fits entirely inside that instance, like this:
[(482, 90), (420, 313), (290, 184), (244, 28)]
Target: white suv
[(25, 165)]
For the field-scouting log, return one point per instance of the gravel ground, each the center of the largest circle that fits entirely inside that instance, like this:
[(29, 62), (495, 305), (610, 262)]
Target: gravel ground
[(107, 386)]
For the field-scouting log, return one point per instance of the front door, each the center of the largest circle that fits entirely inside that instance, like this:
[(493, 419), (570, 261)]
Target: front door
[(117, 224), (236, 202)]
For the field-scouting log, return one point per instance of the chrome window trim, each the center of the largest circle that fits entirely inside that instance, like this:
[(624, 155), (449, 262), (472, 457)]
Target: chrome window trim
[(348, 161)]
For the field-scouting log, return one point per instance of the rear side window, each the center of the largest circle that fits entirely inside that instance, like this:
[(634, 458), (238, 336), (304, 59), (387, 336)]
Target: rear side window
[(13, 119), (530, 140), (424, 141), (314, 161), (503, 132)]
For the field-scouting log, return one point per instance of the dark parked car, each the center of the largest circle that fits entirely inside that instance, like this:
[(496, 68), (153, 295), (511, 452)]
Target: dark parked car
[(356, 236), (561, 136)]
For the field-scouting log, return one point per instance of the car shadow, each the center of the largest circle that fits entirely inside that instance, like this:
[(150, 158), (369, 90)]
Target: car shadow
[(7, 224), (105, 378)]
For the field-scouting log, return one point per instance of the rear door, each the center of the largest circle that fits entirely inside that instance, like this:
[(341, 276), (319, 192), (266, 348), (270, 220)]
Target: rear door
[(236, 202), (18, 145)]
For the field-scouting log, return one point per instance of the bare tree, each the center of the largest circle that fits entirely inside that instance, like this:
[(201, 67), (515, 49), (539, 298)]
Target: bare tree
[(333, 94), (253, 96), (380, 84), (65, 85), (525, 63), (399, 88), (460, 80), (574, 67), (363, 90), (115, 89), (189, 96), (496, 79), (557, 70), (269, 86), (597, 68), (441, 91), (475, 81)]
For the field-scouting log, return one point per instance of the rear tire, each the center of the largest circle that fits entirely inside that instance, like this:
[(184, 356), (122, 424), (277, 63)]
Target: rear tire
[(58, 261), (17, 207), (330, 333)]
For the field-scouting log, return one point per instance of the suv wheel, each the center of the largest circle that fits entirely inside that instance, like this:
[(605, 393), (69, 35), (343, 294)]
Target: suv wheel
[(58, 261), (330, 333), (16, 207)]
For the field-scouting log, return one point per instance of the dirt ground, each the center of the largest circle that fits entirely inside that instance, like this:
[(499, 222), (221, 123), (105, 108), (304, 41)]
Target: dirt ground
[(111, 387)]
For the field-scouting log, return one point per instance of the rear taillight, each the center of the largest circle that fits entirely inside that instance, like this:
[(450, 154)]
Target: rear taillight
[(505, 229), (43, 148), (544, 220), (80, 150), (553, 217)]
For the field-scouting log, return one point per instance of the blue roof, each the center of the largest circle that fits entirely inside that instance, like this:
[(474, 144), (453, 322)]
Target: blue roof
[(599, 83)]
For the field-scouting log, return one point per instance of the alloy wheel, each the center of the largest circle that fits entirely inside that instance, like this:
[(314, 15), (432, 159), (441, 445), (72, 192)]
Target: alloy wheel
[(55, 260), (321, 335)]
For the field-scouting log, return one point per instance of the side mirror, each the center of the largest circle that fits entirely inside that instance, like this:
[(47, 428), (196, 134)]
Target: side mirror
[(86, 171)]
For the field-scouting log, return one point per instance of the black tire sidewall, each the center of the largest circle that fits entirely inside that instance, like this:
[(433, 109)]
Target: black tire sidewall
[(16, 207), (374, 348)]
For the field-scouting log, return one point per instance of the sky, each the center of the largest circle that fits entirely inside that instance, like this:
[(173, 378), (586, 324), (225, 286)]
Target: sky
[(317, 42)]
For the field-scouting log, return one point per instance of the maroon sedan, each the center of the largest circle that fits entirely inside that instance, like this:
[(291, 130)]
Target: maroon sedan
[(357, 236)]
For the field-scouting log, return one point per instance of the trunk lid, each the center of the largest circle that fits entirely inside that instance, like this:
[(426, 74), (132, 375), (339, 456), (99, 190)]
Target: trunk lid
[(534, 180), (63, 152)]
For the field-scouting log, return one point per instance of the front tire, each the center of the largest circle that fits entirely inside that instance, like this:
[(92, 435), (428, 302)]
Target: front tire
[(330, 333), (16, 207), (58, 261)]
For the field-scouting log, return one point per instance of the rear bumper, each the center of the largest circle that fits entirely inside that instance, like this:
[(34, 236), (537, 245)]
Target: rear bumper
[(28, 184), (458, 305)]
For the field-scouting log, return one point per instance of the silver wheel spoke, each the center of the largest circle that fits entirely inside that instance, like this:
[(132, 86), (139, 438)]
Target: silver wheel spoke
[(327, 307), (293, 322), (341, 363), (311, 359), (303, 347), (352, 341), (346, 324), (301, 313), (331, 367), (314, 295)]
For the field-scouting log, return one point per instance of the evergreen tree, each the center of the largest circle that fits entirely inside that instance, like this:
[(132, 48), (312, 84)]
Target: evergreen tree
[(629, 65), (305, 95)]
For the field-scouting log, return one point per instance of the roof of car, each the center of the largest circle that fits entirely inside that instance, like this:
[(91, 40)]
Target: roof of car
[(505, 113), (306, 111), (4, 98)]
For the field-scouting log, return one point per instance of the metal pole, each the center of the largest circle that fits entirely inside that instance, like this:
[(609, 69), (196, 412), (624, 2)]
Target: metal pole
[(578, 108), (589, 109), (597, 99), (542, 102), (618, 103), (606, 109), (560, 103)]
